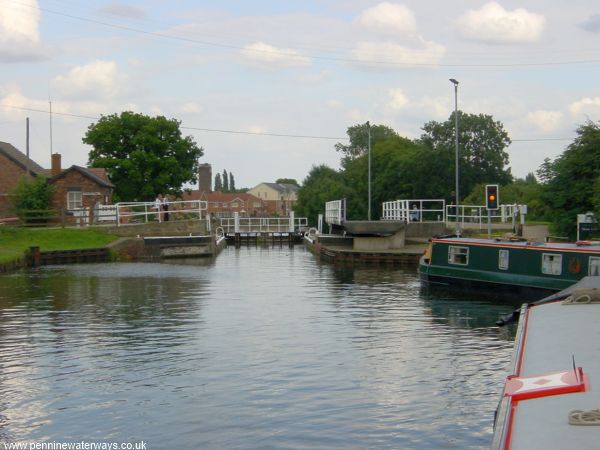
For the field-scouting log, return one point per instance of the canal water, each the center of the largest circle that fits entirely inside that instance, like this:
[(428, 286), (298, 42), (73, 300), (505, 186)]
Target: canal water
[(261, 348)]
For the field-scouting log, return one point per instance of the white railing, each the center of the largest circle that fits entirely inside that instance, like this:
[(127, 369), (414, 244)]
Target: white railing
[(479, 214), (416, 210), (335, 212), (238, 224), (136, 212)]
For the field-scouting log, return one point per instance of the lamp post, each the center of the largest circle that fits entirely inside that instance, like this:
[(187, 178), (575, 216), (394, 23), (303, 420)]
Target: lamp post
[(455, 83), (369, 152)]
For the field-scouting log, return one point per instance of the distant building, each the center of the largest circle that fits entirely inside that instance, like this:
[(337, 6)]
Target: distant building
[(280, 198), (225, 204), (205, 178)]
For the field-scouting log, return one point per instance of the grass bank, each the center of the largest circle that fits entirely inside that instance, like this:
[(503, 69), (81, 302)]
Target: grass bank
[(14, 242)]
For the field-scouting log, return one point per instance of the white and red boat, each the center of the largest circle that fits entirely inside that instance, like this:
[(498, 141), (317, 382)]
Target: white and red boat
[(553, 393)]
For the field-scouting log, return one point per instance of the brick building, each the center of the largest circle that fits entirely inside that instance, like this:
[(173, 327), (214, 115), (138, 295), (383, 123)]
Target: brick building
[(13, 166), (224, 204), (77, 190), (279, 198)]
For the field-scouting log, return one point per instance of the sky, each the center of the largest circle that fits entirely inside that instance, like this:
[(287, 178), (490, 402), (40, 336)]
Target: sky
[(268, 88)]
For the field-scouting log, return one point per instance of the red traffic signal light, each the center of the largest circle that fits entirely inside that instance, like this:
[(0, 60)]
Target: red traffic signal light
[(491, 196)]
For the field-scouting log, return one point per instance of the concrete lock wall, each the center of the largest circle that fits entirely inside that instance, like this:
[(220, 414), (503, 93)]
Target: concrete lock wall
[(379, 243)]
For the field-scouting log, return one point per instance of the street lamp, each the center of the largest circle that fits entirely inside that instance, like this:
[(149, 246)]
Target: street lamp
[(369, 152), (455, 83)]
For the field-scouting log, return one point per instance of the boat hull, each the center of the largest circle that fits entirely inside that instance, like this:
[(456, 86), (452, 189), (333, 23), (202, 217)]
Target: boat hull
[(538, 269)]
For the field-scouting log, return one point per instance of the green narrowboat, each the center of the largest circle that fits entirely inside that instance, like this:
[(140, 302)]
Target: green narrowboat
[(540, 268)]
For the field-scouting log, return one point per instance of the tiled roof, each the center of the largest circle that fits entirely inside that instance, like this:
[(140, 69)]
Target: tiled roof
[(283, 187), (22, 160), (221, 197), (93, 174)]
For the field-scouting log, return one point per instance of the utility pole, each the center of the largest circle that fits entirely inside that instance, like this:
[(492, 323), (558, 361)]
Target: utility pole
[(27, 146)]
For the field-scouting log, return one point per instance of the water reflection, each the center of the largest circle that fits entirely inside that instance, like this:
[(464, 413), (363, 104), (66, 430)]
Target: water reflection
[(260, 348)]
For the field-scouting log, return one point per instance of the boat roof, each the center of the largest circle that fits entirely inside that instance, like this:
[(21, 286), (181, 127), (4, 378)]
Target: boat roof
[(552, 336), (583, 246)]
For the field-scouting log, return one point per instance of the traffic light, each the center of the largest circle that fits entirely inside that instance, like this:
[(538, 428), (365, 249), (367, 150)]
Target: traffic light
[(491, 196)]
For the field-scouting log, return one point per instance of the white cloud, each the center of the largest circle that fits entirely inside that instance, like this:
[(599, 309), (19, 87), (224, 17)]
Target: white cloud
[(375, 53), (493, 24), (96, 79), (436, 108), (546, 121), (19, 31), (190, 107), (268, 56), (388, 18), (398, 100), (588, 107)]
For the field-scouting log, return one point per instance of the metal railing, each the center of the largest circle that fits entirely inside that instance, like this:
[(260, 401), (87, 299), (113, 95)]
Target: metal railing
[(335, 212), (478, 214), (416, 210), (263, 224), (137, 212)]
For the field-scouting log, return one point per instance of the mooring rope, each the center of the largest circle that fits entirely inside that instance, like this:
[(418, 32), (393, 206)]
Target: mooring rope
[(583, 296), (581, 417)]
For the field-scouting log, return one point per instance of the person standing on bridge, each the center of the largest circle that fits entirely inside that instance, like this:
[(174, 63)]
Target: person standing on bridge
[(166, 207), (158, 206)]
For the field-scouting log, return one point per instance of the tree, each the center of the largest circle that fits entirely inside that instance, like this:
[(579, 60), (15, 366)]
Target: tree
[(218, 183), (482, 156), (321, 185), (287, 181), (572, 181), (231, 182), (359, 140), (143, 156), (225, 181), (31, 198), (393, 166)]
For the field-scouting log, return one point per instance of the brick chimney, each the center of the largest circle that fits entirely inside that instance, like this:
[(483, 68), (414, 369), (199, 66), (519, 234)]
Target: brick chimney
[(205, 178), (56, 169)]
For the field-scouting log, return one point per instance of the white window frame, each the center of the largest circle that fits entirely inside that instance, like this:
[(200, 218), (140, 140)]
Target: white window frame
[(552, 263), (503, 259), (594, 266), (74, 199), (458, 255)]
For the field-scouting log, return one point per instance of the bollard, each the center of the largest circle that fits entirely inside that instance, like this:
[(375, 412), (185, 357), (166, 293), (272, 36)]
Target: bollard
[(35, 256)]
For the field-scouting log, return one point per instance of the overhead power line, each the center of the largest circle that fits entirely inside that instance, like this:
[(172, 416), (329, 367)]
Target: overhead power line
[(212, 130), (317, 57), (252, 133)]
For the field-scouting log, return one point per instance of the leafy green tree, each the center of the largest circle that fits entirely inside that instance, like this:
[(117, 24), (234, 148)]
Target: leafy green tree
[(482, 156), (571, 181), (321, 185), (143, 156), (393, 177), (218, 183), (31, 197), (359, 140)]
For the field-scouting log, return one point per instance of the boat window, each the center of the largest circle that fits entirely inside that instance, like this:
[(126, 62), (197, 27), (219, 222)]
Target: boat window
[(551, 264), (594, 266), (458, 255), (503, 260)]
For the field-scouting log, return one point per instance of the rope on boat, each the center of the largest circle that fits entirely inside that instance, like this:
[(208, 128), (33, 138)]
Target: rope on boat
[(583, 296), (581, 417)]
